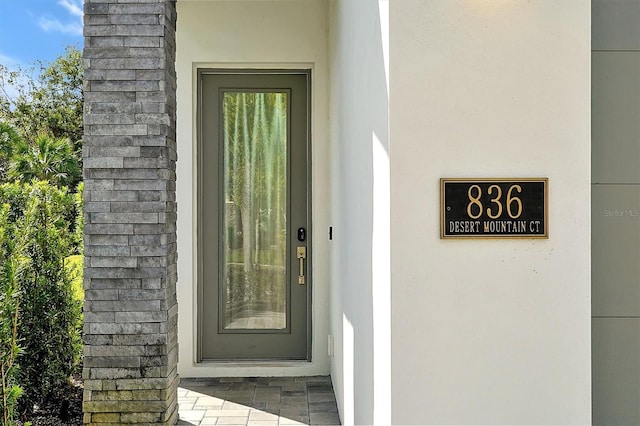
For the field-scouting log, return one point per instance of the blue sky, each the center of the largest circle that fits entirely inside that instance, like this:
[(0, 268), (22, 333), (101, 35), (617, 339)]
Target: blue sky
[(38, 29)]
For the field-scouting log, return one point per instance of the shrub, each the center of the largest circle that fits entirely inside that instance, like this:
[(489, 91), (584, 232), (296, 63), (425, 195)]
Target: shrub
[(49, 320), (11, 268), (79, 219), (74, 269), (9, 139), (74, 266)]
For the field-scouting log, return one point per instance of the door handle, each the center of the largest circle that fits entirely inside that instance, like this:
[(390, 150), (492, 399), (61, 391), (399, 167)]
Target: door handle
[(302, 255)]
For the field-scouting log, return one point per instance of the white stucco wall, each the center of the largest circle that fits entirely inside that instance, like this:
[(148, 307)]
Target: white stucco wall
[(250, 34), (360, 293), (485, 331), (490, 331)]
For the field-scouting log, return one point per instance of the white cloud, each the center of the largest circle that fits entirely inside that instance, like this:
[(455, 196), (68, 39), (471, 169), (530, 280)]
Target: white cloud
[(74, 8), (48, 24), (73, 26), (8, 61)]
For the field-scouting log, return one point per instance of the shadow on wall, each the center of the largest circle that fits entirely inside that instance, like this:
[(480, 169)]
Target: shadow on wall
[(360, 189)]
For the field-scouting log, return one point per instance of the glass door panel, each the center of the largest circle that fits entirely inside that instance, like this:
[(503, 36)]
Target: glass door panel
[(254, 228)]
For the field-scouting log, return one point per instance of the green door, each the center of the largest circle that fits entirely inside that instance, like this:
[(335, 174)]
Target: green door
[(253, 215)]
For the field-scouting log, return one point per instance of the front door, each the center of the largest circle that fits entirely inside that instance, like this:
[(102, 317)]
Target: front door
[(253, 215)]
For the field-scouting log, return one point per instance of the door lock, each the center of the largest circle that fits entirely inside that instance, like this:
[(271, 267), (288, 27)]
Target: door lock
[(302, 255)]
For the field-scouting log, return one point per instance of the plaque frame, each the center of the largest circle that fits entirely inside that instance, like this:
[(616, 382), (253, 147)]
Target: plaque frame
[(509, 181)]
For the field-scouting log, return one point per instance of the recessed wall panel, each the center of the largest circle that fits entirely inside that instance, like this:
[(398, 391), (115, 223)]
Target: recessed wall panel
[(616, 371), (615, 24), (616, 250), (616, 117)]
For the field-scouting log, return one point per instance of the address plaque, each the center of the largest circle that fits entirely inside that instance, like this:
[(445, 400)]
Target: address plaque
[(494, 208)]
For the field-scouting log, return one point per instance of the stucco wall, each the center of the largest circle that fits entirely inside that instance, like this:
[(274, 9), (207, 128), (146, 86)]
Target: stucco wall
[(490, 331), (360, 306), (250, 34)]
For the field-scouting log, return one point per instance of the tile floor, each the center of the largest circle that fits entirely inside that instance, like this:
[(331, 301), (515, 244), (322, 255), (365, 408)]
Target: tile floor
[(257, 401)]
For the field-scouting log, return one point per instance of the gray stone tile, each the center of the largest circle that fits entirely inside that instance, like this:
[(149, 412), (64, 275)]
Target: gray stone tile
[(322, 397), (314, 379), (233, 379), (232, 421), (232, 405), (208, 402), (294, 412), (294, 406), (294, 420), (258, 401), (262, 415), (295, 386), (206, 406), (242, 386), (264, 389), (227, 413), (209, 390), (258, 405), (294, 399), (322, 407), (280, 381), (293, 392), (323, 387), (275, 397), (191, 415), (272, 407), (233, 395), (185, 406), (188, 383), (324, 419), (210, 399)]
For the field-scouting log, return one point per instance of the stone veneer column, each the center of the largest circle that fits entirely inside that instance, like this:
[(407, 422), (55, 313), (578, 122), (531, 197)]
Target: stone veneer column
[(130, 338)]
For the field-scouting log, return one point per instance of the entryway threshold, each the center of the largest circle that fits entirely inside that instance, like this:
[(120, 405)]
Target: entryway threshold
[(257, 401)]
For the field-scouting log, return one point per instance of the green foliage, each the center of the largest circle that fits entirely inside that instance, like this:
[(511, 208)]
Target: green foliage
[(9, 139), (43, 109), (49, 320), (48, 102), (79, 221), (11, 269), (45, 159), (41, 225), (74, 269), (17, 196), (61, 94)]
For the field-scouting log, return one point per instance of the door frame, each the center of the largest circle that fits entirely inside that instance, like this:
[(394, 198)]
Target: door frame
[(200, 71)]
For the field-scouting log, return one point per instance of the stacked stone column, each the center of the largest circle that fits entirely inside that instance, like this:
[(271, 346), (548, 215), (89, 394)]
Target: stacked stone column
[(130, 338)]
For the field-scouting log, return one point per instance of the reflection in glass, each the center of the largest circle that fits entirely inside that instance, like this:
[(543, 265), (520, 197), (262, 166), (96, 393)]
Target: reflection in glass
[(254, 224)]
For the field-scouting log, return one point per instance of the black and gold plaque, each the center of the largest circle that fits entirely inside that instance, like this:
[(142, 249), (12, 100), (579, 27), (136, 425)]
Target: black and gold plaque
[(494, 208)]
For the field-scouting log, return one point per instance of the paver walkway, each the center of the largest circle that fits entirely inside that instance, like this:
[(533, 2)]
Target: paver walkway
[(258, 401)]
